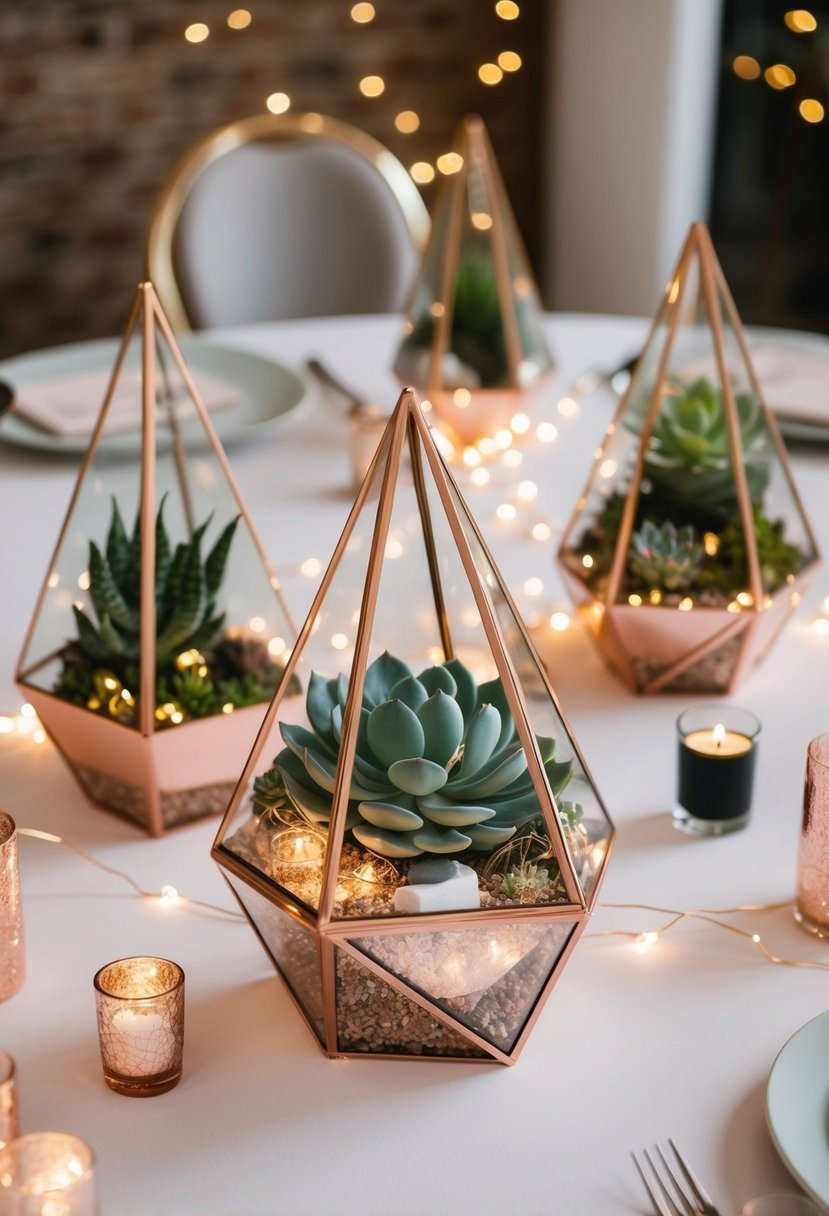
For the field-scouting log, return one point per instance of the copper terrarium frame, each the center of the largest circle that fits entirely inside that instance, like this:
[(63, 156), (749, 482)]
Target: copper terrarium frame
[(138, 770), (746, 628), (476, 412), (408, 439)]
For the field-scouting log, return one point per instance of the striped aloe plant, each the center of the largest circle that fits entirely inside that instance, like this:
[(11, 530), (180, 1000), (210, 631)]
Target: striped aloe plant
[(186, 586), (438, 766)]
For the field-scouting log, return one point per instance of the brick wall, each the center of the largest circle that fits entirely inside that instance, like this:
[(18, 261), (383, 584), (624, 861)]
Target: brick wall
[(99, 97)]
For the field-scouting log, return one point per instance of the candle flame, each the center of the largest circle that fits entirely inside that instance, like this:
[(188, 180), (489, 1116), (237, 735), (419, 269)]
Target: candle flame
[(719, 734)]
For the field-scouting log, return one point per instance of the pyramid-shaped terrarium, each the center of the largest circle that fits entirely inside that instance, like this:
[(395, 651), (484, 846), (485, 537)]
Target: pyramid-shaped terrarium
[(689, 547), (160, 634), (473, 342), (416, 841)]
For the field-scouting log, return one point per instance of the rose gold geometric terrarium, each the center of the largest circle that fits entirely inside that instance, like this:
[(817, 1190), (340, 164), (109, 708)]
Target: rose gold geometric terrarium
[(473, 341), (415, 837), (160, 632), (689, 547)]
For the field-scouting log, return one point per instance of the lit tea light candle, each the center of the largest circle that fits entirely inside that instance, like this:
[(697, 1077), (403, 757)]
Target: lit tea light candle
[(298, 847), (47, 1174), (717, 751), (140, 1006)]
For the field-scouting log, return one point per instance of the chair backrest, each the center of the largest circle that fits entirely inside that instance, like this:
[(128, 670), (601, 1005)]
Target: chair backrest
[(276, 217)]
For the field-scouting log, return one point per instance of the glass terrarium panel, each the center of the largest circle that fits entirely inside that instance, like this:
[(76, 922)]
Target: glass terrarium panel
[(376, 1018), (414, 358), (221, 632), (591, 539), (293, 947), (535, 354), (280, 823), (522, 860), (688, 545), (448, 779), (488, 978)]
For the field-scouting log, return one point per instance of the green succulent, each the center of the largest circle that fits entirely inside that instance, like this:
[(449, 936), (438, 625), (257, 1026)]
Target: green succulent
[(438, 766), (689, 452), (524, 879), (778, 559), (664, 556), (186, 586), (232, 668)]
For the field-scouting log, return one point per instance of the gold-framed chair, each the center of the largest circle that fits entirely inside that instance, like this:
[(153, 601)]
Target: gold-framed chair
[(280, 216)]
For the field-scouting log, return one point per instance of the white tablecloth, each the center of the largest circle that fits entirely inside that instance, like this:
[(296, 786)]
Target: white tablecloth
[(631, 1046)]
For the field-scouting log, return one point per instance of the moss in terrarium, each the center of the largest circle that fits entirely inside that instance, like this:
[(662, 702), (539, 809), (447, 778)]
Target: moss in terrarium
[(201, 667)]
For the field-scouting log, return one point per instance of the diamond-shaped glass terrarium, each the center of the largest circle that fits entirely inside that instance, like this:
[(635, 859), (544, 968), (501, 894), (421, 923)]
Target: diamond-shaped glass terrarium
[(689, 548), (160, 633), (473, 341), (415, 837)]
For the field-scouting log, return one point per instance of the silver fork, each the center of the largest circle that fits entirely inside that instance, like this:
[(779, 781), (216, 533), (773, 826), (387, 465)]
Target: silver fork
[(685, 1196)]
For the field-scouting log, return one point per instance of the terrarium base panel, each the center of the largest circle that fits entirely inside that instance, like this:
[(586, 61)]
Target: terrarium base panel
[(174, 777), (660, 648), (487, 978), (472, 414)]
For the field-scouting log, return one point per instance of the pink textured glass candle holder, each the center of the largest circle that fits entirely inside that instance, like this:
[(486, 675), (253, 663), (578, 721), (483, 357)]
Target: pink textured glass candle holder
[(12, 962), (140, 1004), (812, 904), (47, 1174), (8, 1099)]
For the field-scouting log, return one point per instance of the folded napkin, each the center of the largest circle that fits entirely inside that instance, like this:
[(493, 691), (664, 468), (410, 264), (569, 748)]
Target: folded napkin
[(70, 405)]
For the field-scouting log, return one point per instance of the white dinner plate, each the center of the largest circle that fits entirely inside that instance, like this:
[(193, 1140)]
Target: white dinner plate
[(797, 1107), (263, 392), (806, 419)]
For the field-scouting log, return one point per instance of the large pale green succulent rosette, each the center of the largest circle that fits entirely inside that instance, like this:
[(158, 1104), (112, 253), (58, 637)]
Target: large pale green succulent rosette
[(438, 766), (689, 452)]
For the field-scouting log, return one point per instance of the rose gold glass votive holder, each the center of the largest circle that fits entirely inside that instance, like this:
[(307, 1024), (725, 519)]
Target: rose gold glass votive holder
[(12, 961), (140, 1005), (9, 1128), (47, 1174), (811, 908)]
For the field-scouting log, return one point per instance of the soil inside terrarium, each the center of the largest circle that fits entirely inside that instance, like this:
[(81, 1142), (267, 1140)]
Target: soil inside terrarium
[(356, 897)]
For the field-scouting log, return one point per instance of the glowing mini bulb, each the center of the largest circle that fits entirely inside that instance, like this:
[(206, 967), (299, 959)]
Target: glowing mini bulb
[(169, 896)]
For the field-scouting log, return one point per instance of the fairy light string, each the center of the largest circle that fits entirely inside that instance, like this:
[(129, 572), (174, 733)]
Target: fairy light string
[(169, 896)]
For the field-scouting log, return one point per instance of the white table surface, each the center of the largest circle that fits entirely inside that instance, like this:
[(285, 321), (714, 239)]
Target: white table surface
[(630, 1047)]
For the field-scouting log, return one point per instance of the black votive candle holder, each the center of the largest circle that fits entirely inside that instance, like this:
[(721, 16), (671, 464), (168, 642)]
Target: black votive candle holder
[(717, 751)]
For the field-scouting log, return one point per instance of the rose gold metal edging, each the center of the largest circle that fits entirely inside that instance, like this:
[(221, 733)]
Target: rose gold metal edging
[(735, 626), (680, 277), (429, 540), (299, 645), (539, 666), (267, 887), (219, 453), (451, 258), (328, 982), (354, 699), (509, 678), (706, 255), (461, 918), (147, 630), (549, 985), (87, 460), (417, 998), (479, 142)]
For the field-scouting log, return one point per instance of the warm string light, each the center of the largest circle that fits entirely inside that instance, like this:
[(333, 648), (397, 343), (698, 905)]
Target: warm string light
[(167, 897), (23, 722), (170, 897), (643, 941)]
